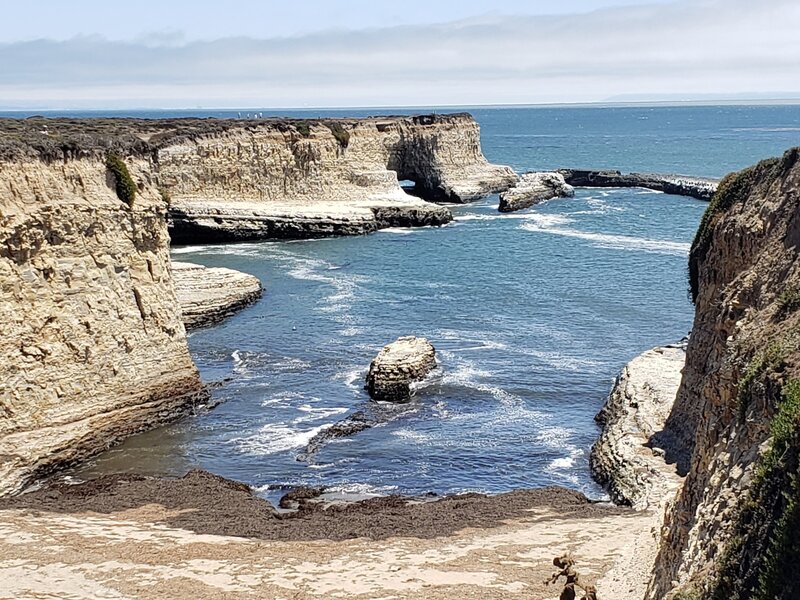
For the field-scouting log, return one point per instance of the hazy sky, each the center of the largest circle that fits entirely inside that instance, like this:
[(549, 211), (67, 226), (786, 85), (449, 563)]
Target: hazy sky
[(367, 53)]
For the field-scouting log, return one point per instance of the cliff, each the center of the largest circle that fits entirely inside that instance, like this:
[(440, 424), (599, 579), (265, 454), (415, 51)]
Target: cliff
[(228, 180), (732, 531), (93, 347)]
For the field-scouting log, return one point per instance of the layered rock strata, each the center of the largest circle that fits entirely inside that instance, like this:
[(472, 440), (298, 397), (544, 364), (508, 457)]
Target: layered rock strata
[(209, 294), (701, 188), (624, 459), (229, 180), (533, 188), (397, 366), (92, 346), (732, 532)]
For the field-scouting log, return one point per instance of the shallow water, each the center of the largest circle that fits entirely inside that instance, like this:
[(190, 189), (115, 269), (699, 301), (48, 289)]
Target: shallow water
[(532, 315)]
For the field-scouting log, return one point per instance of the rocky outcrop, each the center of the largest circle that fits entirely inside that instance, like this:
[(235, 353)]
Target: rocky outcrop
[(732, 532), (701, 188), (398, 366), (230, 180), (209, 294), (624, 459), (92, 346), (533, 188)]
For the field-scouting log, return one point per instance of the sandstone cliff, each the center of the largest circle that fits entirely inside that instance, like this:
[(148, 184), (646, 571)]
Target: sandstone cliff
[(229, 180), (92, 346), (733, 529)]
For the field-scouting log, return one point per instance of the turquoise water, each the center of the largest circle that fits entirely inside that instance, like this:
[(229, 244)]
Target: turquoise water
[(532, 314)]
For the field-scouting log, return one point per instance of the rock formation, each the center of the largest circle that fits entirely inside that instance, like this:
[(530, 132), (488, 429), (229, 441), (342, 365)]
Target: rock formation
[(623, 458), (732, 532), (398, 366), (208, 295), (92, 346), (229, 180), (533, 188), (701, 188)]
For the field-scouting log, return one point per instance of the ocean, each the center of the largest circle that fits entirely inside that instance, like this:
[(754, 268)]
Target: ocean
[(532, 314)]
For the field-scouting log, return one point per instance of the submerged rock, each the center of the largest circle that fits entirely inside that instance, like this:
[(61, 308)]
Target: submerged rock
[(397, 366), (534, 188)]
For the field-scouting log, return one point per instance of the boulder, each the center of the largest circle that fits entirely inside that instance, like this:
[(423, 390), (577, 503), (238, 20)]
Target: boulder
[(534, 188), (397, 366)]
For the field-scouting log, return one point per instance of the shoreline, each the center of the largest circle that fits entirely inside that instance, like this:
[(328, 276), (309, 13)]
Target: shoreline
[(414, 547)]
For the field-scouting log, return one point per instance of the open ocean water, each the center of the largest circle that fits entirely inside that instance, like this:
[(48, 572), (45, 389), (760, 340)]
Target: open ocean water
[(532, 314)]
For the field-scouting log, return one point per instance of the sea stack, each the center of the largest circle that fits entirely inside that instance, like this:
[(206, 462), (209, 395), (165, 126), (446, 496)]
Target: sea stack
[(533, 188), (397, 366)]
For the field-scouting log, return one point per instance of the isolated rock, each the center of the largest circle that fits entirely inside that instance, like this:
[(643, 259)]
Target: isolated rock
[(209, 294), (533, 188), (397, 366)]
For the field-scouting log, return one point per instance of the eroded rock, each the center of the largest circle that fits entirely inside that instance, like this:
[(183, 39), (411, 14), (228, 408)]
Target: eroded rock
[(209, 294), (533, 188), (624, 458), (398, 366), (701, 188)]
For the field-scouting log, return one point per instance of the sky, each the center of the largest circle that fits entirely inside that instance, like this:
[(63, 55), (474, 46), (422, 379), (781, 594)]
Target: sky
[(316, 53)]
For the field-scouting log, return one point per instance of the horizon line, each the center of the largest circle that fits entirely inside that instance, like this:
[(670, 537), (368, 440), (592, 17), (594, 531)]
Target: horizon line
[(600, 103)]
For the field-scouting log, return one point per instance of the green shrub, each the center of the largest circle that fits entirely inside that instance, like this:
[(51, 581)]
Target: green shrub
[(303, 128), (733, 189), (125, 186), (788, 302), (768, 360), (340, 133), (760, 561)]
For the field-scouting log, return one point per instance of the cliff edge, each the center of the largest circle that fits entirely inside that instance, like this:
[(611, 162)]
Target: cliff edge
[(93, 347), (732, 531), (230, 180)]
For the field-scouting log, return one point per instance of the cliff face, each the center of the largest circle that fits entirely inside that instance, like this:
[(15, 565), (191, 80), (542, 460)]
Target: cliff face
[(92, 346), (732, 531), (235, 180)]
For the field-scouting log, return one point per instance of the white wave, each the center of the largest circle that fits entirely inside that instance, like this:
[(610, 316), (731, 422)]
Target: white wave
[(189, 249), (397, 230), (352, 378), (616, 242), (277, 437), (315, 414), (283, 398), (237, 358), (351, 331), (410, 434), (361, 489)]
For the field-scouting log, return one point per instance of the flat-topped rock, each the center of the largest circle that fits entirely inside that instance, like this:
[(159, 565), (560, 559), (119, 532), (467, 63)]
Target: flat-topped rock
[(209, 222), (533, 188), (209, 294), (397, 366), (701, 188)]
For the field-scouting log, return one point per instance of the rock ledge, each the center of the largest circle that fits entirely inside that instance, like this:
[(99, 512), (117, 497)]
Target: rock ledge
[(209, 294)]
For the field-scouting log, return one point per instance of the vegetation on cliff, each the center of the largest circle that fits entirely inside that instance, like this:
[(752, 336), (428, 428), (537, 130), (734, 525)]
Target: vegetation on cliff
[(124, 184), (760, 562)]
